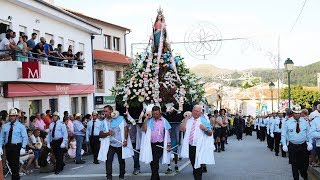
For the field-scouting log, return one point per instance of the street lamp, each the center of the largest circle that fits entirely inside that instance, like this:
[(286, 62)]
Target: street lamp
[(271, 87), (288, 65)]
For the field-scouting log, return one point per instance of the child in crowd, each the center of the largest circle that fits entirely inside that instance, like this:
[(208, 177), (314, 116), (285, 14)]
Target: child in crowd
[(73, 147)]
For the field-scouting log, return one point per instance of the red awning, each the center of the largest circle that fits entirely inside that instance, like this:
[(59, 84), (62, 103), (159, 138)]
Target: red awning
[(111, 57), (30, 90)]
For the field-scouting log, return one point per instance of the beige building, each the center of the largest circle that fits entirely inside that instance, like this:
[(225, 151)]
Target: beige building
[(110, 60)]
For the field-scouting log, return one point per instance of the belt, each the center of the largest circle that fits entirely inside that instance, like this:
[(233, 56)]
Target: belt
[(302, 144), (60, 139), (14, 144)]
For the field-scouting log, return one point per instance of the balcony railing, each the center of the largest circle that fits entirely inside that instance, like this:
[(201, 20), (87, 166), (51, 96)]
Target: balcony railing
[(27, 56)]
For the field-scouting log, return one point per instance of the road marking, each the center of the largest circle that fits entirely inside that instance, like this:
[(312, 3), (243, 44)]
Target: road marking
[(77, 167), (104, 175)]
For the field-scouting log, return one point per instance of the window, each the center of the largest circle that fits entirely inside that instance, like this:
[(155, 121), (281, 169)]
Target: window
[(99, 79), (83, 105), (116, 43), (38, 34), (118, 76), (74, 105), (71, 45), (3, 27), (81, 47), (22, 30), (48, 37), (107, 42), (35, 106), (53, 104)]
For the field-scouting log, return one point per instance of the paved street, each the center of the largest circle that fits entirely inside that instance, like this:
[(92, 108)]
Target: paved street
[(243, 160)]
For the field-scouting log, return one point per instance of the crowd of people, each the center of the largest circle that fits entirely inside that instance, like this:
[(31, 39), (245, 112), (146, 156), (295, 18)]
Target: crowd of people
[(295, 133), (25, 50)]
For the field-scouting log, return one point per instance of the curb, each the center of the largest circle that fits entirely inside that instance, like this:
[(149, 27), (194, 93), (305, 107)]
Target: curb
[(314, 173)]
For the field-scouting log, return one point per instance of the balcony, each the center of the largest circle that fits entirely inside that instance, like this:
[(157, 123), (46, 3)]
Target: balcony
[(42, 72)]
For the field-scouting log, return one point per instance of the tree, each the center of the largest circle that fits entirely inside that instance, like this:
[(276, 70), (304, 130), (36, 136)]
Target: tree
[(301, 96)]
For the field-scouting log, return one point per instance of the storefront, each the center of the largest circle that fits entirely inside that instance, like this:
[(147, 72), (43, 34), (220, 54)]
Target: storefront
[(33, 98)]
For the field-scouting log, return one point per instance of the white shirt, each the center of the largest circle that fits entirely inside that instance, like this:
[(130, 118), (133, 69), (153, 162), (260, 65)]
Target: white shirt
[(314, 114), (5, 42)]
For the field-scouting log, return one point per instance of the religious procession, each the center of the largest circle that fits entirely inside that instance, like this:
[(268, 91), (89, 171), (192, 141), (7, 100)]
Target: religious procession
[(86, 110)]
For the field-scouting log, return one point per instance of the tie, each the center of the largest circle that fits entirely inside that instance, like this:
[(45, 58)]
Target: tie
[(262, 121), (280, 124), (297, 128), (92, 128), (10, 133), (193, 128), (54, 129)]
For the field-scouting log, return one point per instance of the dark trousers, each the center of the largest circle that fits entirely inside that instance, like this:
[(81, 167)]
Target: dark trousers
[(258, 133), (13, 155), (239, 132), (58, 154), (270, 141), (277, 138), (122, 163), (95, 146), (136, 158), (299, 159), (197, 173), (263, 131), (156, 155)]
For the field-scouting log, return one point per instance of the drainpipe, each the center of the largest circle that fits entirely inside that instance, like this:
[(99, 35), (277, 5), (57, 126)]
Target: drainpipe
[(94, 102)]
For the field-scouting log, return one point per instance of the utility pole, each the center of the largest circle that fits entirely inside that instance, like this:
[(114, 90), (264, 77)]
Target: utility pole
[(278, 96)]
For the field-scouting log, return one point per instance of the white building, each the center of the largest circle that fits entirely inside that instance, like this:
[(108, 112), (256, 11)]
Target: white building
[(57, 88), (110, 59)]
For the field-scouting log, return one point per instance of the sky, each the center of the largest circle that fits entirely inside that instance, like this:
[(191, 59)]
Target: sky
[(260, 24)]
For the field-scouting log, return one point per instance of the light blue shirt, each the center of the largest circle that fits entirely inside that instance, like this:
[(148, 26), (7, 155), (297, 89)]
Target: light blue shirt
[(270, 122), (78, 126), (19, 134), (289, 134), (315, 130), (96, 130), (60, 132), (263, 122), (274, 128)]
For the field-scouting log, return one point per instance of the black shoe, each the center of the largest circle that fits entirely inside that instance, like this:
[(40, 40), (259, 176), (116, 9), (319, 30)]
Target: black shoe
[(226, 142), (80, 162), (277, 154), (216, 150), (57, 172), (96, 162), (204, 169), (169, 171), (176, 168), (222, 150)]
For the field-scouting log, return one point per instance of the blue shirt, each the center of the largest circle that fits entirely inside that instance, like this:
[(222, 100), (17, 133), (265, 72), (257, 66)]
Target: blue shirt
[(60, 132), (275, 126), (19, 134), (78, 126), (263, 122), (289, 133), (315, 130), (96, 131)]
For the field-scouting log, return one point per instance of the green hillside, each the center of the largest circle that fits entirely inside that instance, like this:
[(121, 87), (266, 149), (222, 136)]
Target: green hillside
[(305, 76)]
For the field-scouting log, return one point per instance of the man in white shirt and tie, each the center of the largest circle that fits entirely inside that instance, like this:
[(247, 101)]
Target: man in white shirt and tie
[(92, 135)]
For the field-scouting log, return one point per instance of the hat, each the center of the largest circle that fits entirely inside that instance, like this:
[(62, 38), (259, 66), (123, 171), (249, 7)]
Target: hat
[(13, 112), (77, 115), (94, 113), (56, 113), (296, 108)]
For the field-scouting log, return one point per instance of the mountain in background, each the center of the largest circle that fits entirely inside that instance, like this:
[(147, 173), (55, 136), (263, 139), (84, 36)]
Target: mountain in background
[(302, 75)]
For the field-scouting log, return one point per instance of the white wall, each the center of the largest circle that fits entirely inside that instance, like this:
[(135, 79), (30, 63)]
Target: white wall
[(99, 40), (27, 18), (12, 71)]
